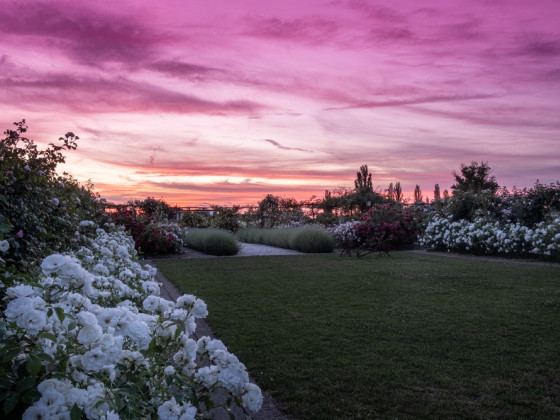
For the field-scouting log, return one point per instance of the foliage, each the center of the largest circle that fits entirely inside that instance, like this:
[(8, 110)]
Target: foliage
[(226, 218), (91, 338), (475, 177), (387, 227), (194, 219), (268, 211), (212, 241), (40, 210), (157, 209), (410, 336), (418, 194), (151, 237)]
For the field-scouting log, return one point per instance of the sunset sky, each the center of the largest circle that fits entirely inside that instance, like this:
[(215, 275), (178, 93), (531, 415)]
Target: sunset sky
[(224, 101)]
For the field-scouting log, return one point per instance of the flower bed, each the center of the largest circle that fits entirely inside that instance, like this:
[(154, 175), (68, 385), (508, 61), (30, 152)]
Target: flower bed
[(90, 337)]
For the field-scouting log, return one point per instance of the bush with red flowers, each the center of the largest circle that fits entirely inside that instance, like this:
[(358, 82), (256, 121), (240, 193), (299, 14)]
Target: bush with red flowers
[(151, 237), (387, 227)]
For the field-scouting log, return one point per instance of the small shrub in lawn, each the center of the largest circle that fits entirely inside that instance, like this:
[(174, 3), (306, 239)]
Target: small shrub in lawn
[(212, 241), (312, 240)]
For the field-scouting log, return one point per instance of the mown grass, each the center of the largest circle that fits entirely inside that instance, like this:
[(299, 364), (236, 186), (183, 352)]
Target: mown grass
[(406, 336)]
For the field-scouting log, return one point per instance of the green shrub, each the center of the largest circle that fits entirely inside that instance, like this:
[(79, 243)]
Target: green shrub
[(311, 240), (40, 210), (212, 241)]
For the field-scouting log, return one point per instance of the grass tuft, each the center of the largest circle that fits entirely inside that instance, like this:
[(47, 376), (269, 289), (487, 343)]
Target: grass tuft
[(212, 241), (307, 239)]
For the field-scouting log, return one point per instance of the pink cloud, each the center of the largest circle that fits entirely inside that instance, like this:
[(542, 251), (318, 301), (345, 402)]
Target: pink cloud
[(248, 90)]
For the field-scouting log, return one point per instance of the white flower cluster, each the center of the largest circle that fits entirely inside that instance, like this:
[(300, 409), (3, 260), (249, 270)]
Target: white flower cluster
[(109, 345), (489, 237), (345, 235)]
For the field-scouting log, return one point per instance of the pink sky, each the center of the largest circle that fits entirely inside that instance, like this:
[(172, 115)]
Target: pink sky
[(221, 102)]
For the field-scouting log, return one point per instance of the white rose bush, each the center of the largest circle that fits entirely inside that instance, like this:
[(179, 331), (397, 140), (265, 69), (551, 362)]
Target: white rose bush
[(90, 337), (483, 236)]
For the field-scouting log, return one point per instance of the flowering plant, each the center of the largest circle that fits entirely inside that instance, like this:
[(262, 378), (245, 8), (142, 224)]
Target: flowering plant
[(151, 236), (483, 236), (386, 227), (346, 237), (91, 337)]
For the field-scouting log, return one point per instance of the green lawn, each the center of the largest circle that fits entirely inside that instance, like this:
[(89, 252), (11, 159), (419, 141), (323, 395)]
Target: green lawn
[(406, 336)]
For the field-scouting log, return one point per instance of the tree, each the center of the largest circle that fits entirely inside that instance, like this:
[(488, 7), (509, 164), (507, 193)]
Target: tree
[(445, 194), (364, 196), (363, 182), (437, 193), (391, 192), (269, 210), (398, 192), (475, 177), (417, 194)]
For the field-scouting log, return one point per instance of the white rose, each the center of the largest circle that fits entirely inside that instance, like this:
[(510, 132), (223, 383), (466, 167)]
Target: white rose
[(199, 309), (169, 410), (22, 290), (86, 318), (89, 335), (169, 370), (32, 321), (151, 303), (252, 397), (94, 359), (53, 263), (4, 245)]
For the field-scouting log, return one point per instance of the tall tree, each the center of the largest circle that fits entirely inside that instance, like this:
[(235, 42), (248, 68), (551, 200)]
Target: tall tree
[(417, 194), (363, 181), (437, 193), (398, 192), (445, 194), (391, 192), (475, 177)]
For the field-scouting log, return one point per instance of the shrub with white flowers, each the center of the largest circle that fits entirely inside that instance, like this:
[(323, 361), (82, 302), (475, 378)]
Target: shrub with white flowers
[(483, 236), (346, 236), (91, 337)]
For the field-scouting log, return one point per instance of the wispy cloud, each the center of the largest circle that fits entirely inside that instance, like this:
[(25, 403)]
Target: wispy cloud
[(279, 146)]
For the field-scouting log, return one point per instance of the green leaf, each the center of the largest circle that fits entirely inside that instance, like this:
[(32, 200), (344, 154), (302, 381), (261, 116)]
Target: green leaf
[(5, 383), (60, 314), (25, 383), (10, 403), (75, 413), (10, 353), (33, 364), (48, 336)]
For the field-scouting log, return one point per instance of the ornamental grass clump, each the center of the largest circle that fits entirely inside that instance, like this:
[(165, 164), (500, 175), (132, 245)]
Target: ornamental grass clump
[(212, 241), (304, 239), (312, 240)]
